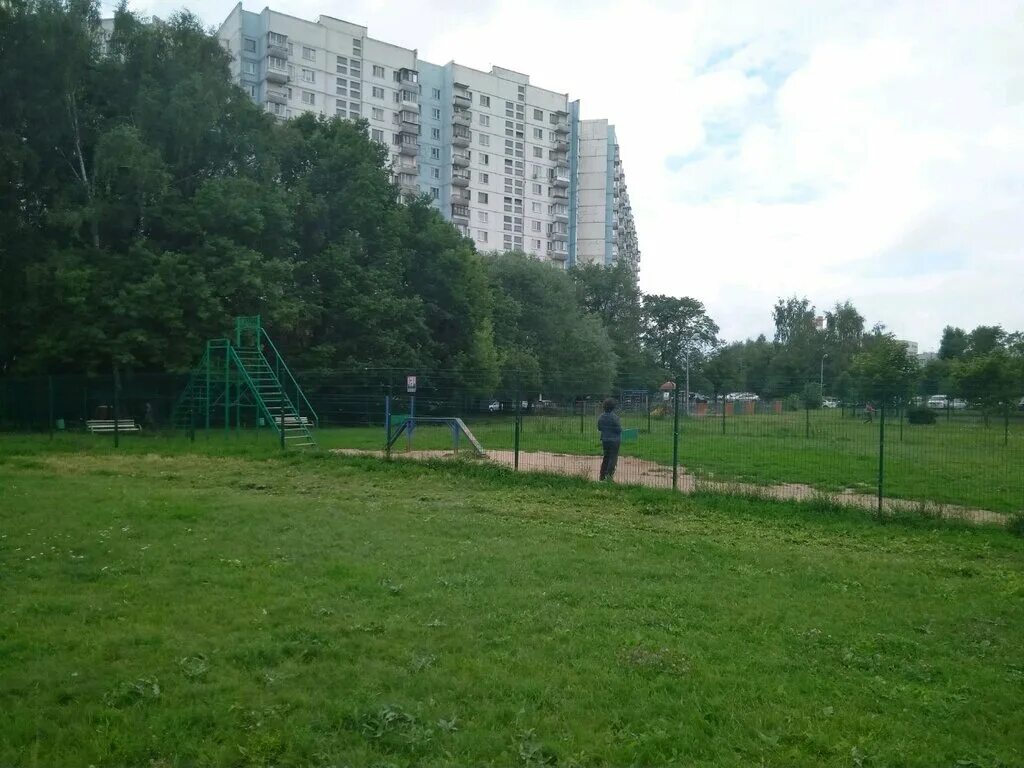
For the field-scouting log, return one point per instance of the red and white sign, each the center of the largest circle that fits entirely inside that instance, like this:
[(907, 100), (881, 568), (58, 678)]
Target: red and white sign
[(410, 384)]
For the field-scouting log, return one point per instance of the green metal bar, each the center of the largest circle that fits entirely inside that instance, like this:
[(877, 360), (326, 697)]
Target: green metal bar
[(117, 407), (227, 390), (881, 456), (49, 387), (518, 429), (206, 393), (675, 437)]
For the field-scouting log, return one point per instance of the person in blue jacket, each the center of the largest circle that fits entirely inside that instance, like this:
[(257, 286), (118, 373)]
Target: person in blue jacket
[(610, 427)]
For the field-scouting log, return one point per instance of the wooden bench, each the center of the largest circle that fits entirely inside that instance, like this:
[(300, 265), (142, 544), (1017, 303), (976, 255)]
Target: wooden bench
[(292, 421), (107, 425)]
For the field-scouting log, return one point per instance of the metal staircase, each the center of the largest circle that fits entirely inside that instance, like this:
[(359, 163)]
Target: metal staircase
[(246, 380)]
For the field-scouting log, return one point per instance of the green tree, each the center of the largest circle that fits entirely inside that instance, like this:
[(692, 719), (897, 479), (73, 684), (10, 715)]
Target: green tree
[(987, 380), (677, 329), (954, 343), (885, 374)]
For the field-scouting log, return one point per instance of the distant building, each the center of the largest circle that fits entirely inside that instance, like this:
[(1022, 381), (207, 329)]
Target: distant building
[(819, 323), (910, 345), (927, 357)]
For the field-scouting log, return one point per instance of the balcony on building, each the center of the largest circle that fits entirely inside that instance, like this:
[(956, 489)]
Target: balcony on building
[(409, 121), (561, 123), (408, 182), (561, 213), (277, 44), (557, 251), (460, 178), (278, 76), (411, 99), (558, 231), (460, 213), (408, 76), (277, 97), (460, 159), (461, 97), (462, 117), (561, 145), (460, 136), (560, 176), (560, 193), (409, 144)]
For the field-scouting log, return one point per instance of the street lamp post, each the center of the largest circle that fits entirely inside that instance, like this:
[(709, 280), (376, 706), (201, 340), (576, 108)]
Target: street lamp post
[(821, 377)]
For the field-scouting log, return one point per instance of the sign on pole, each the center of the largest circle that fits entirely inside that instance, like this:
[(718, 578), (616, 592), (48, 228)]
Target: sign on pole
[(410, 385)]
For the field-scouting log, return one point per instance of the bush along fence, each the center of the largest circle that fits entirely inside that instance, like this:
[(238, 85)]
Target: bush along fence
[(952, 459)]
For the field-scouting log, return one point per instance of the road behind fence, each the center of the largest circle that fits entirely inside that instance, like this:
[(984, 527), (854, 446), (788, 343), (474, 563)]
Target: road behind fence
[(968, 461)]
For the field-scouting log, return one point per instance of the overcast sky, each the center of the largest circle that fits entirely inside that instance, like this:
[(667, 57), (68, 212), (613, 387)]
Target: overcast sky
[(871, 151)]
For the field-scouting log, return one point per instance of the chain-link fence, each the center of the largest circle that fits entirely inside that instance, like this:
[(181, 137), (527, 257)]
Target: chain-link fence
[(953, 459)]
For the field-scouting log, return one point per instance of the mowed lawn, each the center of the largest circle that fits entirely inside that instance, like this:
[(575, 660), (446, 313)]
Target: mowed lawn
[(258, 609)]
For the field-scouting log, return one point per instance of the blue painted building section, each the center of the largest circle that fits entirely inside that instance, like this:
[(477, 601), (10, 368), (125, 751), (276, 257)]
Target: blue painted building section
[(609, 199), (431, 80), (574, 161), (447, 113)]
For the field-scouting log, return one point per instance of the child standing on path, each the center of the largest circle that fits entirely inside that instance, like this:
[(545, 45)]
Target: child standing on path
[(610, 428)]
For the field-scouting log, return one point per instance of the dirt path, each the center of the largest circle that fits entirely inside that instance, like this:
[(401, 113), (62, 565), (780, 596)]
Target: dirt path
[(634, 471)]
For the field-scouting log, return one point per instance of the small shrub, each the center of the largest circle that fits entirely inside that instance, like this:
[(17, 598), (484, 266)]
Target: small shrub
[(793, 403), (921, 416), (1016, 524)]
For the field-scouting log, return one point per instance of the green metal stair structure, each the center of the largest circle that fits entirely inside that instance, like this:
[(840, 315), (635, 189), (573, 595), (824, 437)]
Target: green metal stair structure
[(244, 382)]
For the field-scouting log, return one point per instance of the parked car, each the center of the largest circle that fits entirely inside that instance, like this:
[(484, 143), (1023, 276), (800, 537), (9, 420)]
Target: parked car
[(1020, 405), (829, 402), (958, 404), (741, 397), (494, 406), (938, 401), (697, 397)]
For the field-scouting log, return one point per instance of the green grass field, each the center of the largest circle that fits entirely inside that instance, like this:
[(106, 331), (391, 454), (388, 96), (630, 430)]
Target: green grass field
[(223, 604), (957, 462)]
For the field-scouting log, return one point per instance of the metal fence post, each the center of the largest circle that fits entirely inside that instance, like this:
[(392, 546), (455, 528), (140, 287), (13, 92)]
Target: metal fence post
[(675, 436), (281, 430), (723, 414), (49, 386), (117, 407), (387, 426), (807, 414), (881, 455), (518, 429)]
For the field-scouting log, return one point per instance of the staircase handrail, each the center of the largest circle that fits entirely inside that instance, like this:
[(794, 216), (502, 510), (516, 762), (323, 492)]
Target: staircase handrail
[(254, 389), (279, 360)]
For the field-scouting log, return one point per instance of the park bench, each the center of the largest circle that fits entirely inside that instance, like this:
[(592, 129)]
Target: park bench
[(108, 425)]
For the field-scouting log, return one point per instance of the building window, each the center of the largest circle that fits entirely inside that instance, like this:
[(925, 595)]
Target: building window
[(435, 93), (485, 140), (378, 71), (378, 93), (485, 178), (538, 152), (485, 159), (538, 133), (276, 38), (535, 206), (342, 65), (308, 76), (252, 91), (536, 245), (435, 173), (249, 45), (435, 153), (357, 47), (538, 189), (435, 193), (309, 54), (481, 197), (340, 107), (535, 226), (377, 135), (249, 67), (275, 62), (485, 121), (538, 114), (485, 101), (308, 97), (481, 235), (377, 113), (482, 216), (435, 113), (435, 133)]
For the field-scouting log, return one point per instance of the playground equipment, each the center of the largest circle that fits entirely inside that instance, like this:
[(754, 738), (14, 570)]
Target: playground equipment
[(396, 425), (246, 379)]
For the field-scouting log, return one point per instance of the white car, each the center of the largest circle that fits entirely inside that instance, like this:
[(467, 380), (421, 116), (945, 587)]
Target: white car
[(494, 406), (938, 401), (958, 404), (829, 402)]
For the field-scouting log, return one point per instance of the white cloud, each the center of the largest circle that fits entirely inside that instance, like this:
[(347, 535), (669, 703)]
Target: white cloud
[(781, 147)]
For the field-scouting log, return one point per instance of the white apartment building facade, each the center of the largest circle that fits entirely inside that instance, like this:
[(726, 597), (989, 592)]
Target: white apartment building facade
[(502, 158)]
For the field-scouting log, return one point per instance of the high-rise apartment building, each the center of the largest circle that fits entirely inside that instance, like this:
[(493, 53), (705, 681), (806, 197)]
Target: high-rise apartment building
[(509, 163), (604, 230)]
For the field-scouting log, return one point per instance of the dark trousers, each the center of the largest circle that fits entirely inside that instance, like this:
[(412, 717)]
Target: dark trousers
[(610, 459)]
